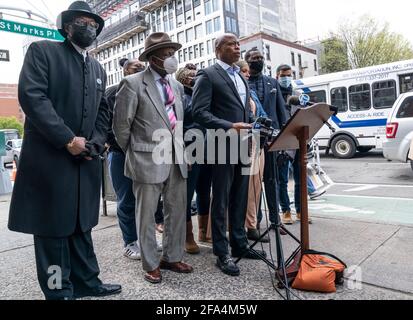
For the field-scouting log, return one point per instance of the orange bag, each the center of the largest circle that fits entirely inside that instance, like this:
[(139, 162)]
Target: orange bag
[(319, 272)]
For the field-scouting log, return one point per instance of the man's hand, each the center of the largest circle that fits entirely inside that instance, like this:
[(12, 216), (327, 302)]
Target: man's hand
[(77, 146), (241, 126)]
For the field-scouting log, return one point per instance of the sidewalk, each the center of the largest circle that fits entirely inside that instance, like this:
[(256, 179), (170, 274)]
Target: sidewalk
[(382, 251)]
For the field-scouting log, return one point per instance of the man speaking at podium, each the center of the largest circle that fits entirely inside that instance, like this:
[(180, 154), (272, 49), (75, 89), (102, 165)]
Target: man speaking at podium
[(220, 101)]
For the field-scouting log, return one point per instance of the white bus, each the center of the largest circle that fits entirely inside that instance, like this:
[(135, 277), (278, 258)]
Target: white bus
[(364, 98)]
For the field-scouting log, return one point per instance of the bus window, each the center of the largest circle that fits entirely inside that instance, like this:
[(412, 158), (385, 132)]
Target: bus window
[(318, 96), (406, 83), (384, 94), (359, 96), (406, 109), (339, 98)]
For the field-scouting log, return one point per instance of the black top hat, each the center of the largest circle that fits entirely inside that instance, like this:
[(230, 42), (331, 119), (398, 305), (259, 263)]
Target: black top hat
[(157, 40), (77, 8)]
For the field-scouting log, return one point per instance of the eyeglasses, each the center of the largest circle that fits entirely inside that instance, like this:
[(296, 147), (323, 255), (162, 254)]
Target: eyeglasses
[(84, 23)]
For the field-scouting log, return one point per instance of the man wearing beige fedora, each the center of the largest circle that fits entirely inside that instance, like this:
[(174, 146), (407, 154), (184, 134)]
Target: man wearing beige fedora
[(146, 104)]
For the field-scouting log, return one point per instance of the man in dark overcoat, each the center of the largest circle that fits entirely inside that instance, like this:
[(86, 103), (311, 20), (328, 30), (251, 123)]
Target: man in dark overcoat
[(56, 195)]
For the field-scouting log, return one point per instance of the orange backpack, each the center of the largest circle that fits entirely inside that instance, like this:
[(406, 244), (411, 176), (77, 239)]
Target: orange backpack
[(319, 272)]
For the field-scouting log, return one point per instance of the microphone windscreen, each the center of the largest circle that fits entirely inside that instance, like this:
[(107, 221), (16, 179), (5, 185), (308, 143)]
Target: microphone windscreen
[(293, 101)]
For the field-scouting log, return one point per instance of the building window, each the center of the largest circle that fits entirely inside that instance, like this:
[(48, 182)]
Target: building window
[(268, 52), (300, 61), (315, 65), (217, 24), (180, 56), (196, 51), (201, 49), (198, 31), (191, 53), (190, 35), (209, 27), (185, 55), (292, 59), (181, 37), (208, 7)]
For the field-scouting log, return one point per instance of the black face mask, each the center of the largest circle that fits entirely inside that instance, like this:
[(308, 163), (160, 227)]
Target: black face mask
[(83, 36), (257, 66)]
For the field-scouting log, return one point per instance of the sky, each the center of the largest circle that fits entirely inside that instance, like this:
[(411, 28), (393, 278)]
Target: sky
[(315, 19)]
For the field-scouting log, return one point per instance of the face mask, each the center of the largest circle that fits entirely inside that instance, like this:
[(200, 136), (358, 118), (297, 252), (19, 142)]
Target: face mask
[(170, 65), (83, 36), (257, 66), (285, 82)]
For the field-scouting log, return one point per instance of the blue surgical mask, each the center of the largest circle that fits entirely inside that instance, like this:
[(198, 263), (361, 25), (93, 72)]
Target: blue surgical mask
[(285, 82)]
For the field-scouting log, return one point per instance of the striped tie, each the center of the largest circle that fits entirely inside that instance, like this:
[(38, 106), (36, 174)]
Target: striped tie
[(170, 102)]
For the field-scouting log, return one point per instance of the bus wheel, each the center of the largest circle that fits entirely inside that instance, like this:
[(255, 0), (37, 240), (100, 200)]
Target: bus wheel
[(364, 149), (343, 147)]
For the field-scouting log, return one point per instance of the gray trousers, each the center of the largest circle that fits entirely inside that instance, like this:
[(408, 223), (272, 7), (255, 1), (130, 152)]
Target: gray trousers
[(173, 191)]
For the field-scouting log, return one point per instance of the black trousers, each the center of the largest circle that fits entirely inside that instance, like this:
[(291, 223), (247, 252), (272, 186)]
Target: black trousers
[(229, 194), (66, 266)]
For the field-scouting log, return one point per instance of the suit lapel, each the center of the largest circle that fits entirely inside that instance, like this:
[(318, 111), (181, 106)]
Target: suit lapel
[(154, 96), (231, 84)]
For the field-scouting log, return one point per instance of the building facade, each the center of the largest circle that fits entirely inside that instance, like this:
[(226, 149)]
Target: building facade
[(303, 60), (193, 23), (9, 103)]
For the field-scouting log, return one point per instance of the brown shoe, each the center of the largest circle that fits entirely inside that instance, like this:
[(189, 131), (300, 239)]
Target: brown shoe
[(287, 219), (190, 245), (310, 221), (178, 267), (154, 276)]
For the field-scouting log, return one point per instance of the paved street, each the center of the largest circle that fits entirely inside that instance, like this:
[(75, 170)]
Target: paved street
[(365, 219)]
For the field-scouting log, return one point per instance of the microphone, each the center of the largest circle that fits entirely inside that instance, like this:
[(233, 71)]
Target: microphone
[(302, 100)]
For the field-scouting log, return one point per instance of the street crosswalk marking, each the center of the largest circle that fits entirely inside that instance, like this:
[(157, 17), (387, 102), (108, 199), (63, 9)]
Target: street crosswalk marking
[(362, 188)]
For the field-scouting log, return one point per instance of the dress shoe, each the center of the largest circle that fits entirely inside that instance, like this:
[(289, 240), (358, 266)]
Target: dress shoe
[(227, 266), (249, 254), (178, 267), (100, 291), (154, 276), (254, 235)]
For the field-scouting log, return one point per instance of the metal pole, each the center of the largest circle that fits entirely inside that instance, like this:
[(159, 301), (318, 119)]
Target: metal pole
[(305, 234)]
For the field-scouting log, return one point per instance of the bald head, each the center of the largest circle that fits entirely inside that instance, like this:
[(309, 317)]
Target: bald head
[(227, 48), (133, 66)]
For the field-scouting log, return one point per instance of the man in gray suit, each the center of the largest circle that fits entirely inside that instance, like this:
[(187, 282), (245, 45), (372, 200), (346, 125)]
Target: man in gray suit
[(147, 104)]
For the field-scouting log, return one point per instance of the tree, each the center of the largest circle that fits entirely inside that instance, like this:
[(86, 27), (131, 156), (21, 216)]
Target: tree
[(334, 56), (367, 42), (11, 123)]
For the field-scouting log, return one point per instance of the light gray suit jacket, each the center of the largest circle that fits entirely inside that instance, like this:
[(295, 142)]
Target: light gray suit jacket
[(139, 111)]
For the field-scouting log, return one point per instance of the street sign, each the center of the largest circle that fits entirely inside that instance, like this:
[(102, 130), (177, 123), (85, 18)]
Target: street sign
[(30, 30), (4, 55)]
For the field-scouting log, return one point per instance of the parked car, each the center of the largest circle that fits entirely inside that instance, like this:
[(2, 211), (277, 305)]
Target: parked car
[(13, 148), (399, 130)]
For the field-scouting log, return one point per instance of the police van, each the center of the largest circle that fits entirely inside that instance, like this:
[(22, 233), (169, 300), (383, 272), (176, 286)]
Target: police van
[(364, 98)]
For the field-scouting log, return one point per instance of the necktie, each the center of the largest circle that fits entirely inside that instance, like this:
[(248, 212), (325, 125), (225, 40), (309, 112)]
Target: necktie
[(169, 102)]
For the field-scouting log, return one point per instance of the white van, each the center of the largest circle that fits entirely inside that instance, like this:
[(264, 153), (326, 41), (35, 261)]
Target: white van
[(364, 98)]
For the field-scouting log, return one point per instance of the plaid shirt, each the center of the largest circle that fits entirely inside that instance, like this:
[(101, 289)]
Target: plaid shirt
[(257, 85)]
